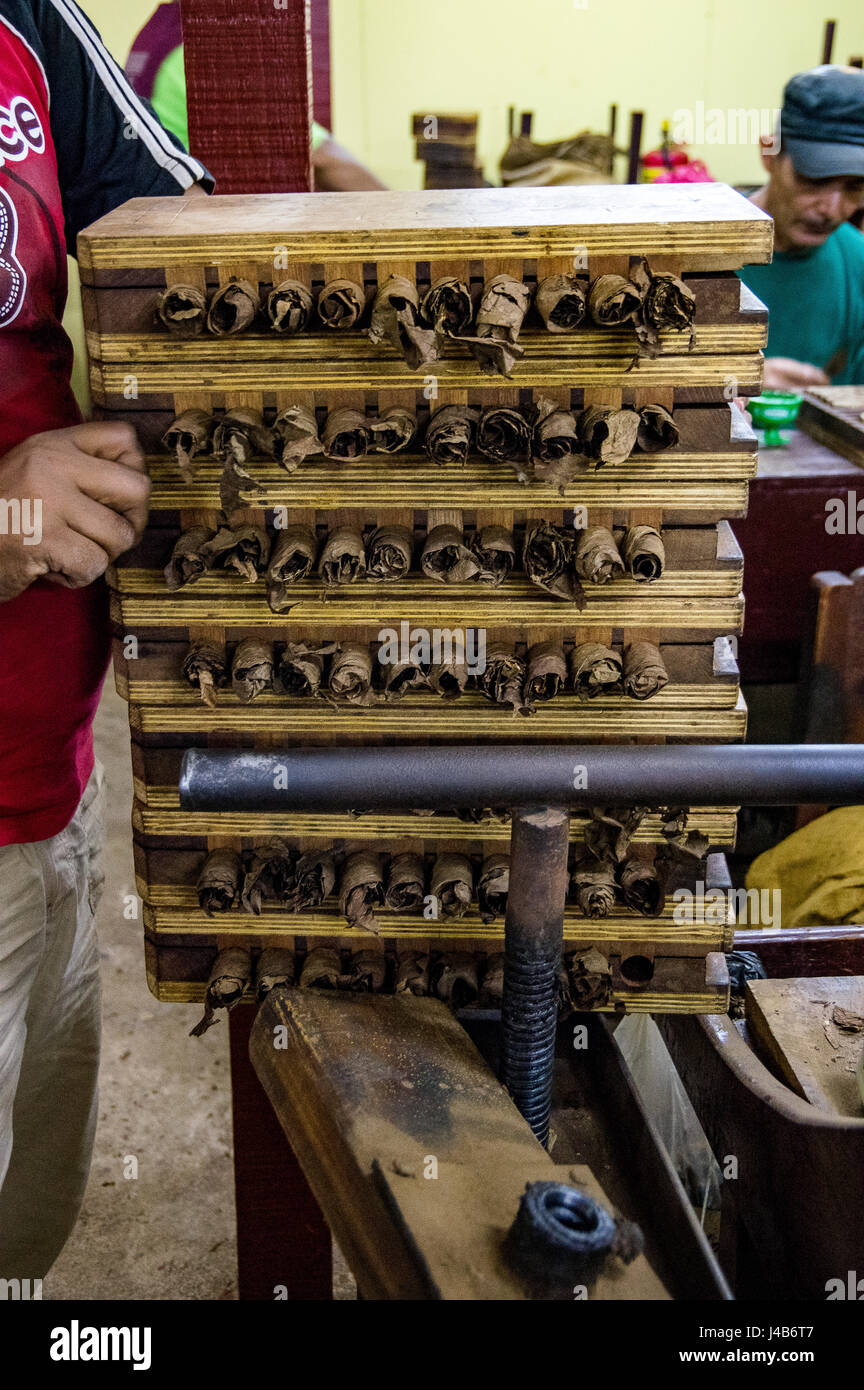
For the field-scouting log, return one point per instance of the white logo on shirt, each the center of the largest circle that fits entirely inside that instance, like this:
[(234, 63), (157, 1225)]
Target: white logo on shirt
[(21, 131), (13, 277)]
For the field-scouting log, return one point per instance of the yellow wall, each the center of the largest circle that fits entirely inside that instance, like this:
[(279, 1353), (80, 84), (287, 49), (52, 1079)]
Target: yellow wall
[(567, 60)]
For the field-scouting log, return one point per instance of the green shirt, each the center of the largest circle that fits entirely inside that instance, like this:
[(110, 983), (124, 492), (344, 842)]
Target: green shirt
[(816, 304), (169, 100)]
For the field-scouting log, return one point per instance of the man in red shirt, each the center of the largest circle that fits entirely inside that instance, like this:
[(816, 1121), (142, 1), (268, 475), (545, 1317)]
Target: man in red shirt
[(75, 142)]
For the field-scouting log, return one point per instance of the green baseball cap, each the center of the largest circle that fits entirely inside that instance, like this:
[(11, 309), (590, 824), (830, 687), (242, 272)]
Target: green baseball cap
[(822, 122)]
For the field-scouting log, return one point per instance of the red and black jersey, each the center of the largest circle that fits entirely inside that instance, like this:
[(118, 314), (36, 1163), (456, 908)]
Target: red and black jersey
[(75, 142)]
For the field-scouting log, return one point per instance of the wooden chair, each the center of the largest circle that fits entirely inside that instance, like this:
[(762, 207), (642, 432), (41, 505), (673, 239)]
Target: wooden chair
[(832, 684)]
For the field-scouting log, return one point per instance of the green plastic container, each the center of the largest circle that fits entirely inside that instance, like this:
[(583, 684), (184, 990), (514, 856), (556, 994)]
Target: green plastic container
[(772, 412)]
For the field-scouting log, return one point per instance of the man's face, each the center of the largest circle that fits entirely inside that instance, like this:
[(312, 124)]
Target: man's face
[(806, 211)]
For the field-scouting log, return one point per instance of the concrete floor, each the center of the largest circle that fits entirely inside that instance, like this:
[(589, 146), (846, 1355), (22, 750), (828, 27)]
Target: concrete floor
[(165, 1099)]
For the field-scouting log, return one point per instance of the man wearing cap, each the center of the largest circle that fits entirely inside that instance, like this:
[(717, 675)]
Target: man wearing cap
[(814, 288)]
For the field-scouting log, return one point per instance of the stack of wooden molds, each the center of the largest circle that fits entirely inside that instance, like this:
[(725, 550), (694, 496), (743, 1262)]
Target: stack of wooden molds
[(142, 373), (446, 145)]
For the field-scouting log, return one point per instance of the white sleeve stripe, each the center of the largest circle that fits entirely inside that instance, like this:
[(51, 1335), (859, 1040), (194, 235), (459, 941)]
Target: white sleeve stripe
[(183, 167), (34, 55)]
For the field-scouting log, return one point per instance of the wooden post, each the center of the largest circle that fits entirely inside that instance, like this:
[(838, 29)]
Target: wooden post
[(282, 1240), (249, 93), (828, 40), (636, 118)]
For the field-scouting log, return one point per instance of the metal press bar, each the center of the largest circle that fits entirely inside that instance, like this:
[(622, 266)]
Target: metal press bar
[(354, 779)]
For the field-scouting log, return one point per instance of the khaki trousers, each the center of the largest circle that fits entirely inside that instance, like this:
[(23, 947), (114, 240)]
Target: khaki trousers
[(50, 1018)]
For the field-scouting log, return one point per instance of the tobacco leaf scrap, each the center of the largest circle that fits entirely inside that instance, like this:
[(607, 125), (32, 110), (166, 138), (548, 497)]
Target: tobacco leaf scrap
[(505, 436), (608, 434), (295, 431), (269, 874), (446, 557), (644, 670), (292, 561), (343, 559), (392, 431), (641, 879), (657, 429), (341, 304), (396, 320), (252, 669), (361, 889), (405, 878), (454, 979), (597, 560), (557, 451), (351, 675), (451, 883), (495, 343), (346, 435), (644, 553), (561, 302), (229, 980), (493, 886), (503, 680), (218, 885), (613, 300), (314, 879), (547, 672), (388, 553), (233, 308), (595, 670), (190, 434), (593, 882), (548, 559), (447, 306), (276, 967), (300, 668), (322, 969), (495, 550), (451, 433), (368, 972), (289, 307), (244, 549), (183, 310), (589, 980), (205, 666), (412, 973), (188, 558)]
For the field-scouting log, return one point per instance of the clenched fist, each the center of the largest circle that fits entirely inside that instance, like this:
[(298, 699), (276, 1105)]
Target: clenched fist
[(89, 484)]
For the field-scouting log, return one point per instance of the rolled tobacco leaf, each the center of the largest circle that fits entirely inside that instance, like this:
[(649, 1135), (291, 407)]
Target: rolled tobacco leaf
[(314, 879), (451, 883), (188, 558), (641, 880), (448, 678), (644, 670), (493, 885), (492, 989), (610, 830), (557, 446), (322, 969), (405, 879), (292, 561), (229, 979), (233, 308), (504, 678), (346, 435), (589, 979), (593, 882), (482, 815), (548, 559), (187, 436), (183, 310), (505, 436), (239, 437), (341, 304), (495, 342), (643, 552), (451, 433), (396, 320), (368, 972), (289, 307), (667, 303), (295, 432), (613, 300), (561, 302), (218, 885), (205, 666), (388, 553), (547, 672), (402, 676), (343, 559), (269, 874), (495, 551), (361, 889), (351, 675), (454, 979), (276, 967), (445, 556), (300, 668), (392, 431), (597, 560), (412, 973), (252, 669), (447, 307), (243, 549), (595, 670), (657, 429), (608, 434)]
